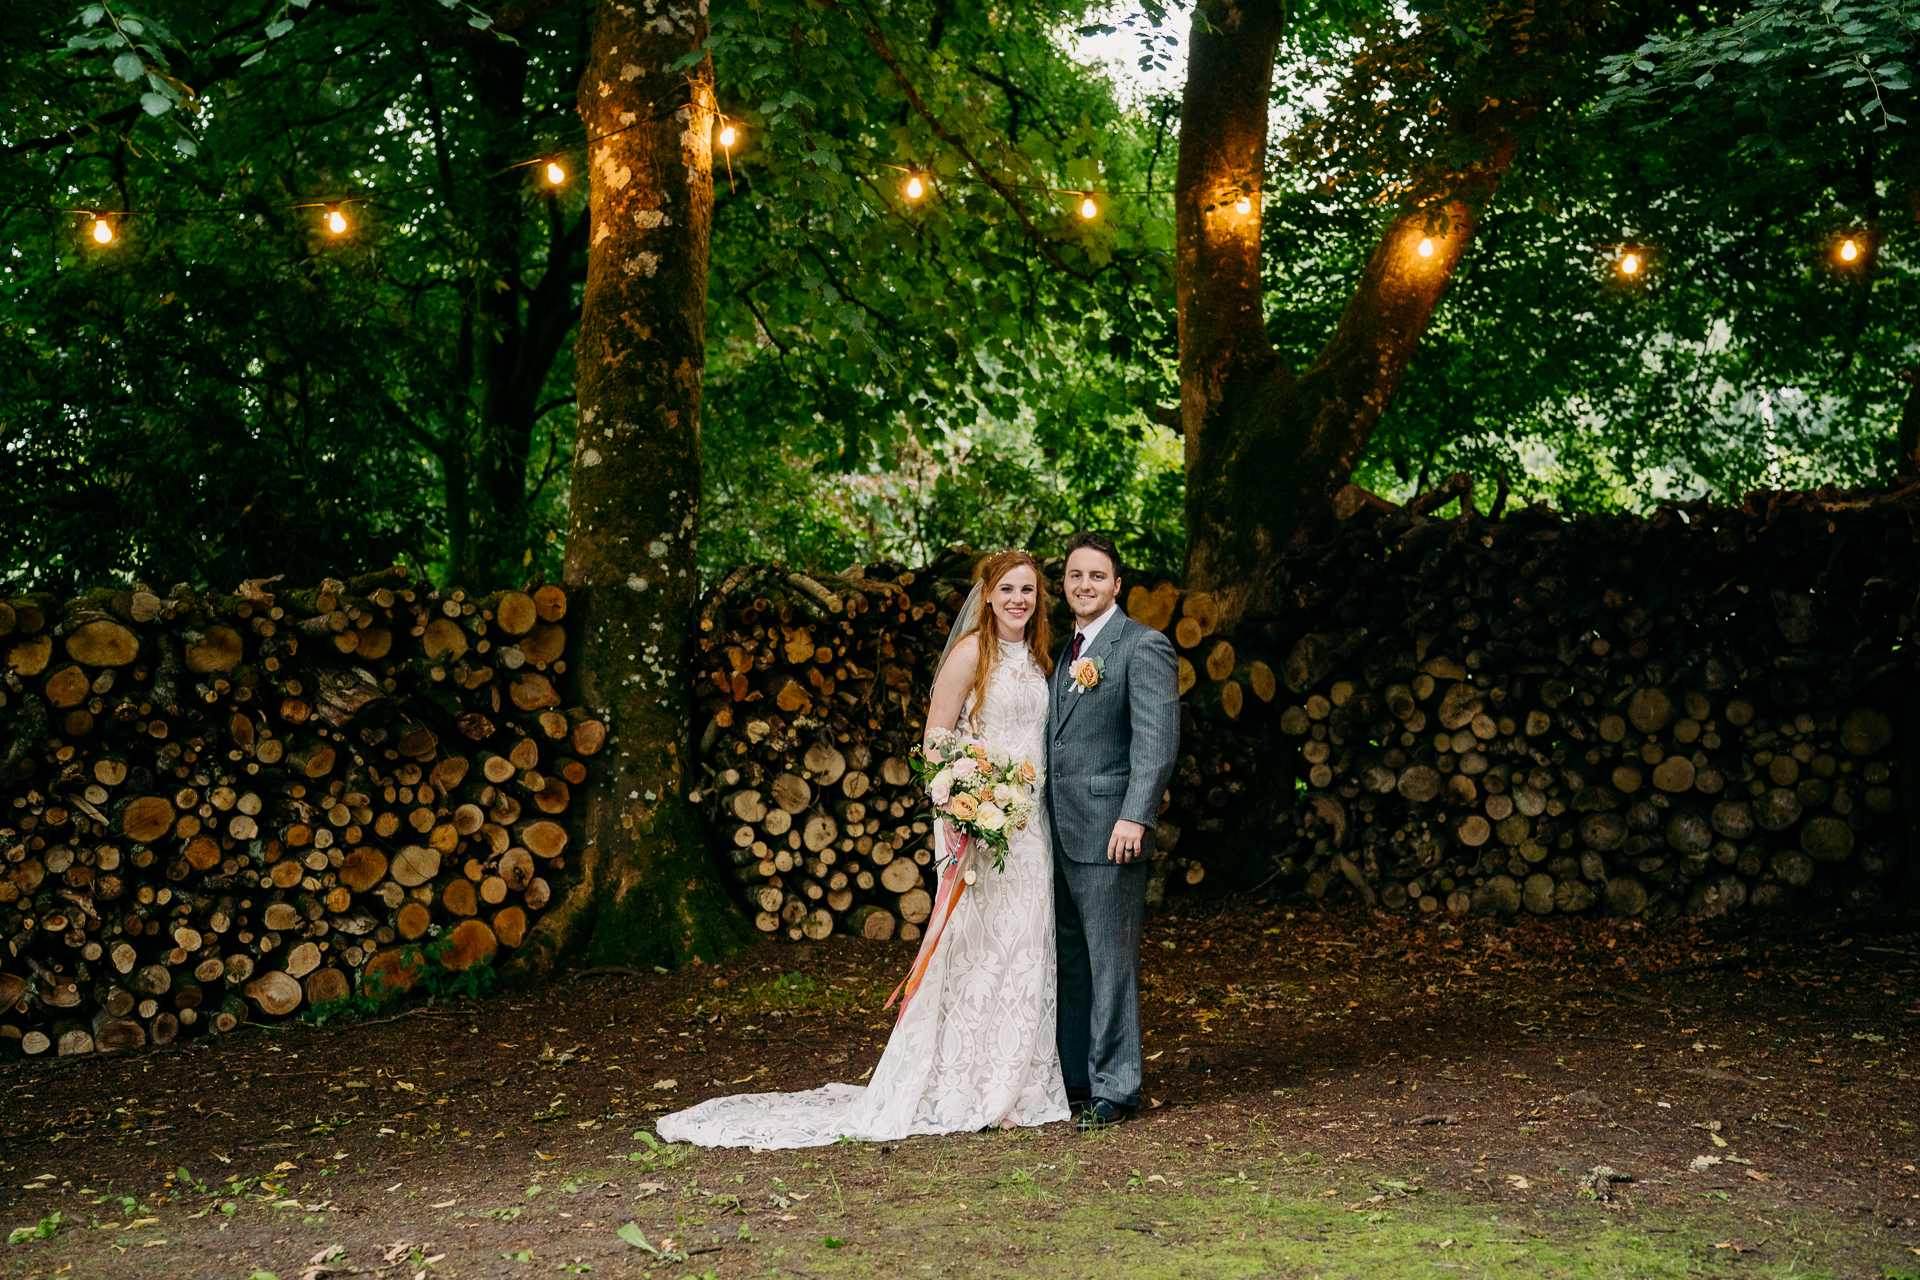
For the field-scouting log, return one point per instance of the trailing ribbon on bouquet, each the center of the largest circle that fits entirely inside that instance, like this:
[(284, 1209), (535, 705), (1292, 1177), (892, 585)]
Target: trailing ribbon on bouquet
[(953, 883)]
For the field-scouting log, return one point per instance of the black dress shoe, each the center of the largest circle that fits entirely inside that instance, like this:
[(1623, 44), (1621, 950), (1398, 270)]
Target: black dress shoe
[(1101, 1114), (1077, 1102)]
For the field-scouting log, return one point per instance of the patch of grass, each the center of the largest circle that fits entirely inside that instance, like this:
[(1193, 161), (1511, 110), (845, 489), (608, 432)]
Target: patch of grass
[(983, 1205), (658, 1155), (1171, 1236), (45, 1229), (788, 993)]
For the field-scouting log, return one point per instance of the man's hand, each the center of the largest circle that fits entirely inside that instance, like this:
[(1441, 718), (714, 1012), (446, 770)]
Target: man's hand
[(1125, 842)]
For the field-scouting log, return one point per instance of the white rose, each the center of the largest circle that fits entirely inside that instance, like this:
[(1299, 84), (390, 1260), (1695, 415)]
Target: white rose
[(990, 818), (1004, 794)]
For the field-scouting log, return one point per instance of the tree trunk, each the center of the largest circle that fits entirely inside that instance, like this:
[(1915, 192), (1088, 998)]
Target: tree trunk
[(516, 331), (505, 403), (646, 892), (1907, 441), (1266, 448)]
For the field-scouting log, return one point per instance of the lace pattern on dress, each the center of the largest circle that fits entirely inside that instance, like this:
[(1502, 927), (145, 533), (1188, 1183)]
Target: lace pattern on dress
[(976, 1047)]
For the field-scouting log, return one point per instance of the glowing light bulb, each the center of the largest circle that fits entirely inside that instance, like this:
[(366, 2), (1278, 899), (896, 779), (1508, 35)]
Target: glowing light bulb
[(1426, 247), (1630, 264), (336, 221), (1849, 250), (1244, 205), (915, 188), (102, 231), (1088, 209), (727, 136), (555, 174)]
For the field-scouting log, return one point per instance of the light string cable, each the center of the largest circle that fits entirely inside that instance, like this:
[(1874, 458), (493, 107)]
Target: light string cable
[(336, 221)]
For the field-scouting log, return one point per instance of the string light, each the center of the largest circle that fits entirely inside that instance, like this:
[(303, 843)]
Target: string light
[(1849, 250), (1426, 247), (1244, 204), (1630, 264), (336, 223)]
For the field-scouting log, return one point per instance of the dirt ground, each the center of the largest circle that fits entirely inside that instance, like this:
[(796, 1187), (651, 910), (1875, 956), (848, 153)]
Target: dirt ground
[(1332, 1093)]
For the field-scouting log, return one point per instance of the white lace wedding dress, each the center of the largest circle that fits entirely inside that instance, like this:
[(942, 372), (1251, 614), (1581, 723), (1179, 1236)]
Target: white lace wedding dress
[(976, 1046)]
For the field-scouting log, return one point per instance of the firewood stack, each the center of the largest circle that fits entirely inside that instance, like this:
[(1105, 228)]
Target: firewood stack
[(811, 693), (1689, 712), (1227, 688), (226, 806)]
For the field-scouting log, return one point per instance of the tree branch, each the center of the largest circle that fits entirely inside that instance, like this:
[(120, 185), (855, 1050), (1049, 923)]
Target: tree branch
[(223, 67), (940, 131)]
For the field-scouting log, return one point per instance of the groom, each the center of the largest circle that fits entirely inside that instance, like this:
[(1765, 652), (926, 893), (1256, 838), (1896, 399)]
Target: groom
[(1113, 729)]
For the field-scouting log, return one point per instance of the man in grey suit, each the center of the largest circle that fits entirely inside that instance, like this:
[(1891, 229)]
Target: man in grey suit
[(1113, 731)]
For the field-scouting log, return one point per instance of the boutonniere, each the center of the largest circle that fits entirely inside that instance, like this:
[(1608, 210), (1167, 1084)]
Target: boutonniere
[(1086, 673)]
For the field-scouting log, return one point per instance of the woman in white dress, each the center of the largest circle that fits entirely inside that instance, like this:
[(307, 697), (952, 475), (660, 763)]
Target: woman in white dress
[(974, 1046)]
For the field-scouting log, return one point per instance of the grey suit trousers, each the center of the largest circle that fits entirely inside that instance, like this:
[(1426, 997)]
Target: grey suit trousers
[(1099, 1017)]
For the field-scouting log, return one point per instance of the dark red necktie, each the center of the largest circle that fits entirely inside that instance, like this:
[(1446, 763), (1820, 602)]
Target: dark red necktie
[(1074, 656)]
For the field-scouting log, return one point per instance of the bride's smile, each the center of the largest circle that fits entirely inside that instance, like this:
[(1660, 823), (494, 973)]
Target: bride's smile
[(1013, 601)]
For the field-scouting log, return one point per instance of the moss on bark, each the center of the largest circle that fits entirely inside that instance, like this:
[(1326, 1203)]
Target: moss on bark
[(645, 890)]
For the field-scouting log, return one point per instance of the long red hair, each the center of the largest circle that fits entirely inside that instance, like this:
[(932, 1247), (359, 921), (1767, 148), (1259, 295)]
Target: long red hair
[(1039, 630)]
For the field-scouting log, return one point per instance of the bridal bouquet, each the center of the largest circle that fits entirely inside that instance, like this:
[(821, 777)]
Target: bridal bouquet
[(985, 794)]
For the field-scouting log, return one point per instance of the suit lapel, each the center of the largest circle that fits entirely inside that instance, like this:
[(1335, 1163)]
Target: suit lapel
[(1102, 644)]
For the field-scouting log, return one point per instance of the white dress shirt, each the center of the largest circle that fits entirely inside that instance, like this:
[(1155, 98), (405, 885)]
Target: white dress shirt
[(1088, 632)]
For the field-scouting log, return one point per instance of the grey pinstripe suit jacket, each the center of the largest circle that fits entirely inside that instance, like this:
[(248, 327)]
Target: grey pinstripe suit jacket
[(1111, 748)]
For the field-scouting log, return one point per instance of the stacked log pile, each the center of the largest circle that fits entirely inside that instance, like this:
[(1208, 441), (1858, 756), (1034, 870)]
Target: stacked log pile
[(1692, 711), (811, 694), (1689, 712), (216, 807), (1227, 688)]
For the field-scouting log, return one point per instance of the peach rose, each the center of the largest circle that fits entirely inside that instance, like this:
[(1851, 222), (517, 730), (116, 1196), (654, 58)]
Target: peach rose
[(1085, 674), (1027, 772), (964, 806)]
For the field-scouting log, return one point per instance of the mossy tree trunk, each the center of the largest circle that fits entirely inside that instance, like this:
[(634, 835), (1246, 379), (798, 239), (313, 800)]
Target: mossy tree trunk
[(1266, 447), (645, 892)]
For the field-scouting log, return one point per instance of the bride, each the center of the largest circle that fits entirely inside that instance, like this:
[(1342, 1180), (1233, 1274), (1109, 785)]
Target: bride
[(974, 1046)]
